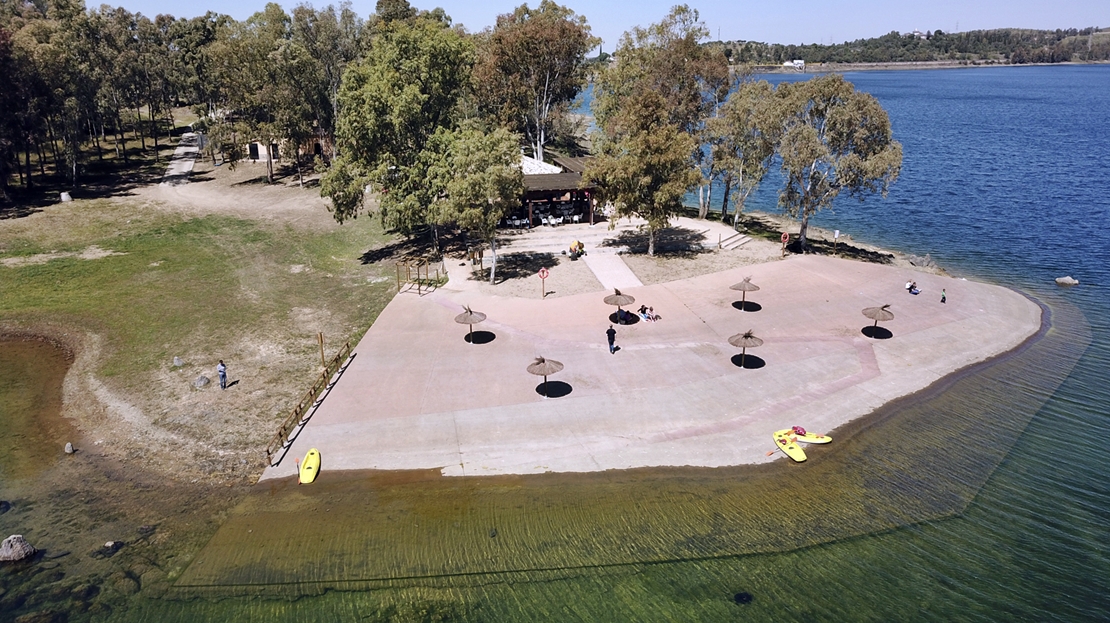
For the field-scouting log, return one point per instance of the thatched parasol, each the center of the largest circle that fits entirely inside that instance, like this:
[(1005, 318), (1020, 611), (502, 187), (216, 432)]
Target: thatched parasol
[(744, 341), (879, 313), (471, 318), (543, 367), (620, 300), (744, 286)]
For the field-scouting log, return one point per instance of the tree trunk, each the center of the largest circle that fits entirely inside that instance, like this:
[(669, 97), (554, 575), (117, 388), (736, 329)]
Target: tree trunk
[(269, 164), (96, 140), (139, 128), (153, 131), (493, 263), (651, 241), (27, 155), (802, 233), (703, 202), (724, 198), (300, 178)]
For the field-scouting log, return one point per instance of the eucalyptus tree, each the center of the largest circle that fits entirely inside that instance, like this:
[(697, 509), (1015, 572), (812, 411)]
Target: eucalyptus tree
[(391, 104), (663, 85), (331, 39), (643, 163), (481, 182), (835, 139), (743, 140), (530, 66)]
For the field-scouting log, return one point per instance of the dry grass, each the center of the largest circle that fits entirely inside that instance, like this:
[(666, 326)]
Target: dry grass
[(217, 269)]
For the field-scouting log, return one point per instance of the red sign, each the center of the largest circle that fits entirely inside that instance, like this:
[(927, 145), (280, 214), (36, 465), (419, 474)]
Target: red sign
[(543, 273)]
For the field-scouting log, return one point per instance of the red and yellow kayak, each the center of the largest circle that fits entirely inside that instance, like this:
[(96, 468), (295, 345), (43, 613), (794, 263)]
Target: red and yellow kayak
[(787, 441)]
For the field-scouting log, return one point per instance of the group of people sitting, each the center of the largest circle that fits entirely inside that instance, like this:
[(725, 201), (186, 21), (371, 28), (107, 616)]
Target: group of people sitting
[(911, 287), (648, 313)]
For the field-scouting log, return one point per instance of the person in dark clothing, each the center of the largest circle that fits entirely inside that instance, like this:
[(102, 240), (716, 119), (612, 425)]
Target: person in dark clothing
[(612, 335)]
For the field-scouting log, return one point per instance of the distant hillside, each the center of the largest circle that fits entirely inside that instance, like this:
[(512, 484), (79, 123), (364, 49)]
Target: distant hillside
[(1003, 45)]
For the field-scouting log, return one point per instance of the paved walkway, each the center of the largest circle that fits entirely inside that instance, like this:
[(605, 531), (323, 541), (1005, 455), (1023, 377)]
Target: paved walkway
[(611, 271), (418, 395), (181, 164)]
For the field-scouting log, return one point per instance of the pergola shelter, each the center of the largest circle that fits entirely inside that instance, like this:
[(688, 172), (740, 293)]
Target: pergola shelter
[(556, 197)]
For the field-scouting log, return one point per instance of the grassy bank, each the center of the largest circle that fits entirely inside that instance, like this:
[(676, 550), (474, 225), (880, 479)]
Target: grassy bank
[(152, 283)]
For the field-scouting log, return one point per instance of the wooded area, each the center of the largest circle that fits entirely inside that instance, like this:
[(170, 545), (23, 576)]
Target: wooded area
[(430, 117), (1004, 45)]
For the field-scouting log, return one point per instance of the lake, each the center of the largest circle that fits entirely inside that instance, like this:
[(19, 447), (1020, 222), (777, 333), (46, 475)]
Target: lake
[(994, 507)]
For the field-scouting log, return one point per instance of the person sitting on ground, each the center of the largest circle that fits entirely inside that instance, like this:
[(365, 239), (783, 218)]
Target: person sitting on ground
[(643, 312), (651, 314), (913, 288), (909, 286)]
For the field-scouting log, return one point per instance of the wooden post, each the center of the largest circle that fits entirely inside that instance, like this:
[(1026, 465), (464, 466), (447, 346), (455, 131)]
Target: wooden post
[(322, 361)]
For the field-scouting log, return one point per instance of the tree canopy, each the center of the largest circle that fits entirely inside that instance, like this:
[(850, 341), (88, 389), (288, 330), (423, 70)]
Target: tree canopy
[(482, 182), (391, 104), (530, 66), (650, 106), (835, 139)]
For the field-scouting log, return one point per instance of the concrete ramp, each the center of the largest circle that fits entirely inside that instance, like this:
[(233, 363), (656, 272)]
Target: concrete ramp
[(611, 271)]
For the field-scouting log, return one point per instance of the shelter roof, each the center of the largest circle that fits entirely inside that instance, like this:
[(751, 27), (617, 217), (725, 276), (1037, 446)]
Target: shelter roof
[(552, 181)]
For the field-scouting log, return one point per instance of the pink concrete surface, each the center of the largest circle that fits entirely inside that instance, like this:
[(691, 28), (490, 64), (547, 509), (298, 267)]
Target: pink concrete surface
[(417, 395)]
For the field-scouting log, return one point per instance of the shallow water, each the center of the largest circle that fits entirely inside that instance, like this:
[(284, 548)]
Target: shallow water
[(984, 500), (31, 375)]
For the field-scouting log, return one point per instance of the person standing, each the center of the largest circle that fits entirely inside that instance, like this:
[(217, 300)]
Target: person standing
[(221, 371), (612, 335), (943, 296)]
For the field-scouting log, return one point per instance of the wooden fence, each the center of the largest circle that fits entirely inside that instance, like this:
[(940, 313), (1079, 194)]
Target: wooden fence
[(298, 412), (420, 273)]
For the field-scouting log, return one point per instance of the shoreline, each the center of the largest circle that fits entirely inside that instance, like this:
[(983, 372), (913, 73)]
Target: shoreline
[(820, 68)]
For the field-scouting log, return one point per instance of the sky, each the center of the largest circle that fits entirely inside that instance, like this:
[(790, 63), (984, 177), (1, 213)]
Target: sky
[(781, 21)]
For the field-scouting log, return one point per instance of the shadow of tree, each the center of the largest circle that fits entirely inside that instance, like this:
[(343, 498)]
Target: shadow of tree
[(672, 241), (519, 265)]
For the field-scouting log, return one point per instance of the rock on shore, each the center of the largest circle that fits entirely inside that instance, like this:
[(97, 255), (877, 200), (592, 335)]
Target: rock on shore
[(15, 548)]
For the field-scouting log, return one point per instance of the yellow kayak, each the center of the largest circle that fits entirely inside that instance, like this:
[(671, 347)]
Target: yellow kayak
[(310, 466), (786, 441), (801, 435)]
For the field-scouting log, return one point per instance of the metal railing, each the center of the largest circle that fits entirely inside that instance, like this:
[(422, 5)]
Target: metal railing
[(297, 414)]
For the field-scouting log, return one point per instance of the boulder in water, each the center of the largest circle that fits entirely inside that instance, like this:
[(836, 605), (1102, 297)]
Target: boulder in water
[(201, 381), (15, 548), (1067, 281)]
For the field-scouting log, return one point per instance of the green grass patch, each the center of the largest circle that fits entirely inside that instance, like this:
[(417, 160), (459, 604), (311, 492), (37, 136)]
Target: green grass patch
[(179, 285)]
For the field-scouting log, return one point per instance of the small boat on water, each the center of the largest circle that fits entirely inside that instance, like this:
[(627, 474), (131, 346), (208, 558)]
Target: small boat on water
[(786, 441), (310, 466)]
